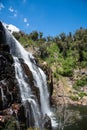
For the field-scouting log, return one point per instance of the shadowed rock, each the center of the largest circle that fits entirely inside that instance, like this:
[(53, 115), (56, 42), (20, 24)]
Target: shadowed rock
[(47, 122), (2, 34)]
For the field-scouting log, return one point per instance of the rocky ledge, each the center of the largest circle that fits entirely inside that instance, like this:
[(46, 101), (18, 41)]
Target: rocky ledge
[(64, 92)]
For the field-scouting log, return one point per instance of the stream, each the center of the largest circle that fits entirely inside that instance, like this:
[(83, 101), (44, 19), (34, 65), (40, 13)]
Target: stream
[(71, 117)]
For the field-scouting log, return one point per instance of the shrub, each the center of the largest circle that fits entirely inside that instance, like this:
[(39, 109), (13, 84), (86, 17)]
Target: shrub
[(80, 83), (74, 97), (82, 94), (11, 124)]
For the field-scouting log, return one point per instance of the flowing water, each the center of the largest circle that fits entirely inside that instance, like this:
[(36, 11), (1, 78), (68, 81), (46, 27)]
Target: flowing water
[(68, 118), (28, 99), (26, 94)]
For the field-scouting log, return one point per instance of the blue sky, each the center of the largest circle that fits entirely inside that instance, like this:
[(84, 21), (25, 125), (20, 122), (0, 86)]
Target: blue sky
[(51, 17)]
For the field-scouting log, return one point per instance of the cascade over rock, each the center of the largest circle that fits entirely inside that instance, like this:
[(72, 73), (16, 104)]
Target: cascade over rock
[(24, 97), (35, 90), (48, 72), (9, 91)]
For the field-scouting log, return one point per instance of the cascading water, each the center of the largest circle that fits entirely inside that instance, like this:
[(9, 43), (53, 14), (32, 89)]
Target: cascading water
[(39, 80), (26, 93), (3, 96)]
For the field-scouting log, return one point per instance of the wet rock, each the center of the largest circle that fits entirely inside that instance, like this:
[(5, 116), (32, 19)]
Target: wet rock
[(21, 114), (47, 122), (27, 72), (1, 102), (30, 80), (9, 91), (2, 33), (4, 47), (30, 116)]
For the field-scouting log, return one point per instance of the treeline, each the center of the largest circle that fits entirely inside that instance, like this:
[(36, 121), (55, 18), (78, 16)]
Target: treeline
[(64, 51)]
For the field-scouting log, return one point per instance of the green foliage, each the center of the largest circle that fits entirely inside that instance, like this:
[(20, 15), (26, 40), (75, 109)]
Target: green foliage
[(67, 67), (82, 94), (80, 83), (32, 129), (11, 124), (34, 35), (83, 64), (62, 36), (43, 51), (74, 97), (68, 51)]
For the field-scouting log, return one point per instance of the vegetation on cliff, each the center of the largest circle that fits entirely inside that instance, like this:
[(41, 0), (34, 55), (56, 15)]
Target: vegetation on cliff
[(66, 54)]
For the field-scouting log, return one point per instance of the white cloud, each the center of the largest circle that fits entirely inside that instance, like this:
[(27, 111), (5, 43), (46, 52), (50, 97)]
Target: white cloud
[(27, 24), (15, 15), (1, 6), (11, 9), (25, 20)]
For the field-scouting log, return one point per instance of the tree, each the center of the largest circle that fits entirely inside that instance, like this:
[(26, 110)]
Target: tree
[(34, 35), (43, 51), (60, 45), (49, 38), (62, 36), (56, 39), (40, 35)]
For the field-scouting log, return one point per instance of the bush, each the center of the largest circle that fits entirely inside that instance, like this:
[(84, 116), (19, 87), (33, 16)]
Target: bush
[(67, 67), (82, 94), (74, 97), (83, 64), (11, 124), (80, 83)]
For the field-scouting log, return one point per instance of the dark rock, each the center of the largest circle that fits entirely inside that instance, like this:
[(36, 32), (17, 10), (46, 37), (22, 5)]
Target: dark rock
[(4, 47), (2, 34), (47, 122), (11, 108), (1, 102), (30, 122), (21, 114), (30, 80), (8, 87), (7, 56), (27, 72)]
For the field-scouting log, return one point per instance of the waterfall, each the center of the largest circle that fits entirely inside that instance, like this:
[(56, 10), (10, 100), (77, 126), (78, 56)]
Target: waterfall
[(39, 80), (26, 94), (3, 96)]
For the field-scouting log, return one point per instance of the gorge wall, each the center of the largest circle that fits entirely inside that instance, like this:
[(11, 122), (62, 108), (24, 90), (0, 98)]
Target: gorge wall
[(16, 114)]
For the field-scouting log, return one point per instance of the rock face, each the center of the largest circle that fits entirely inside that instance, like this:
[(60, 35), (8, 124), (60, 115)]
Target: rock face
[(2, 33), (9, 90), (10, 100), (8, 85), (35, 90), (12, 111), (47, 122)]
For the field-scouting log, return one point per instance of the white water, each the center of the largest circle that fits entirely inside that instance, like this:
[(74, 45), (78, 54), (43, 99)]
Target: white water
[(3, 96), (39, 77), (26, 94)]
